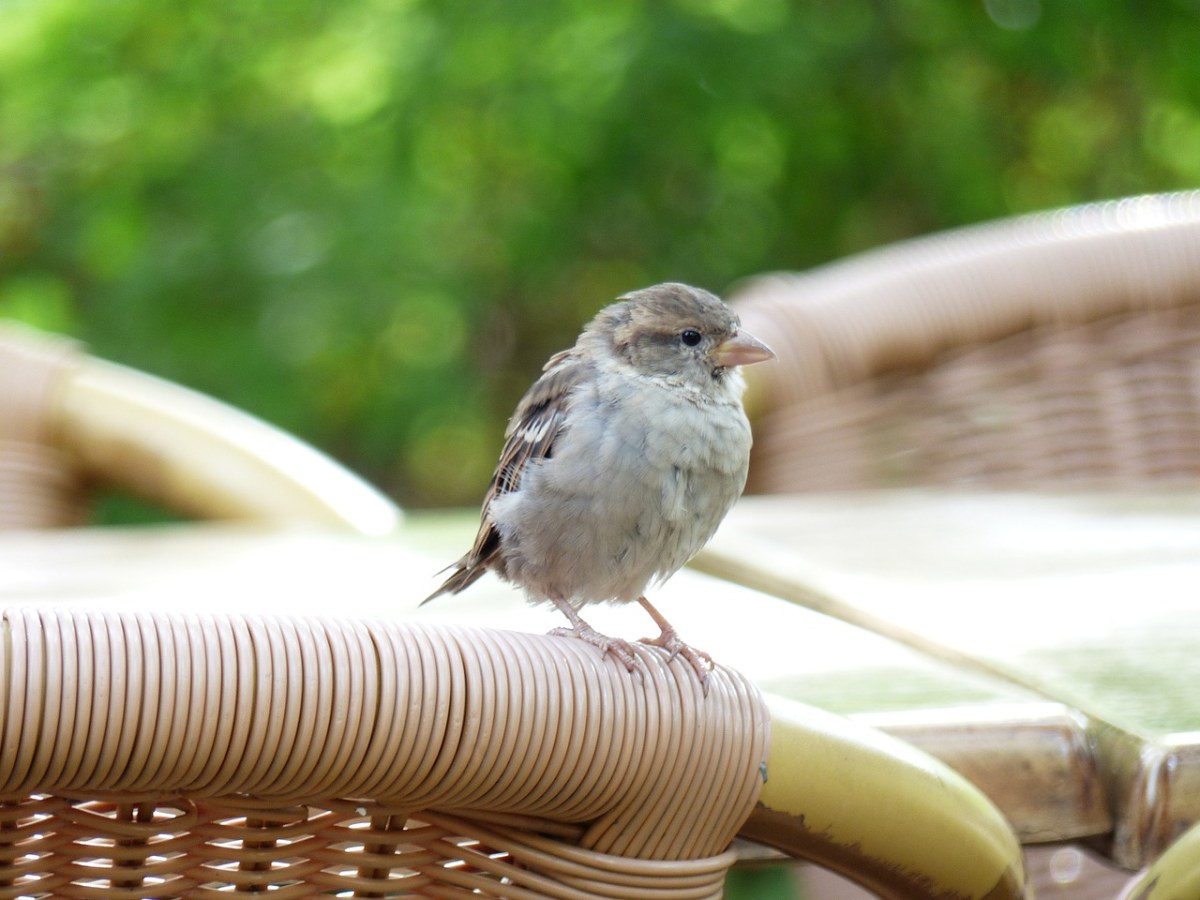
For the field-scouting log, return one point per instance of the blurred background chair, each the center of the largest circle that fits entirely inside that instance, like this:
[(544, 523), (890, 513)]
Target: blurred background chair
[(69, 422), (1048, 351)]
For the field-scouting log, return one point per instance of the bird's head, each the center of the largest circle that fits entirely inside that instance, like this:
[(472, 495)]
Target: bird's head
[(678, 333)]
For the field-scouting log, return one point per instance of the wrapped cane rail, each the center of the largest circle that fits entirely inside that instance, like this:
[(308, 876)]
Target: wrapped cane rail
[(170, 754)]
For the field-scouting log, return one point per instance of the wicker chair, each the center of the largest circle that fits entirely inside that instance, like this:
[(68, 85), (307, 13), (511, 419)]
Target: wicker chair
[(69, 421), (151, 754), (146, 753), (1051, 352), (1046, 351), (154, 755)]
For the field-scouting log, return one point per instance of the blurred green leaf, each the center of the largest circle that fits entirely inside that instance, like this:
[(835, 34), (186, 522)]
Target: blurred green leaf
[(371, 221)]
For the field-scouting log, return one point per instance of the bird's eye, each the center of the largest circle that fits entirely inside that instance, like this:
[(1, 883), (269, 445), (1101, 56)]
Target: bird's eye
[(691, 337)]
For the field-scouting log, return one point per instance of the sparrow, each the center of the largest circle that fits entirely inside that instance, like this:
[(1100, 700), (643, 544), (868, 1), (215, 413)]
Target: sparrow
[(620, 462)]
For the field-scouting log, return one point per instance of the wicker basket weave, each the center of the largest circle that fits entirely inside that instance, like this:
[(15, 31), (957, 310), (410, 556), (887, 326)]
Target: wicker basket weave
[(1049, 350), (169, 755)]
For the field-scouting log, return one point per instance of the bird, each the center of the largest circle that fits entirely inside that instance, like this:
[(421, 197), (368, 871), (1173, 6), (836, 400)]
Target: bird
[(619, 463)]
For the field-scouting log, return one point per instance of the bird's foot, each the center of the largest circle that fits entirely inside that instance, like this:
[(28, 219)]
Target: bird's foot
[(701, 662), (622, 650)]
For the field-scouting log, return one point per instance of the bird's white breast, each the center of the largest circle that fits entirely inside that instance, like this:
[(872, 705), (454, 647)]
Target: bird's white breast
[(636, 484)]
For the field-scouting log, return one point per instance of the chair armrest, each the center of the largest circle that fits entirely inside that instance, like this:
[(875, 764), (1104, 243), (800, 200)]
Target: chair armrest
[(882, 813), (203, 457)]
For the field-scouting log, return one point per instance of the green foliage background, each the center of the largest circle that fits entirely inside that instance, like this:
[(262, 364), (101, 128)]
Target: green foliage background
[(369, 221)]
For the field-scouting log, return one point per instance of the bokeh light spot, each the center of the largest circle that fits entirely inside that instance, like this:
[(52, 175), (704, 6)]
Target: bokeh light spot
[(424, 331), (1014, 15), (42, 301)]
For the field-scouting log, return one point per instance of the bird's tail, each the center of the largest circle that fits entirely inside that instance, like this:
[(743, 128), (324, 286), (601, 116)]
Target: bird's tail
[(463, 576)]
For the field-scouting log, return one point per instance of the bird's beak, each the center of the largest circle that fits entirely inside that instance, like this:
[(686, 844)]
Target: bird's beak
[(742, 349)]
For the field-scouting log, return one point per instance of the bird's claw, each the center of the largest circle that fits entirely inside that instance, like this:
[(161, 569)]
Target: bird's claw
[(701, 662), (621, 650)]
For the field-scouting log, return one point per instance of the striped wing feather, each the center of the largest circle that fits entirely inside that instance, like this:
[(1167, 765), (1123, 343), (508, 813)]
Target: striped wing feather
[(535, 425)]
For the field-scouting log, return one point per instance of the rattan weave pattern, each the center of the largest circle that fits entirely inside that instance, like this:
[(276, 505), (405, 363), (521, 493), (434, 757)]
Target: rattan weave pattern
[(181, 847), (1041, 351), (162, 755), (1110, 403), (39, 486)]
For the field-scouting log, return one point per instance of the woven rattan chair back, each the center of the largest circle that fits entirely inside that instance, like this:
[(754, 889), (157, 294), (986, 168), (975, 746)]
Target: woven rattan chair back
[(170, 755), (1053, 350)]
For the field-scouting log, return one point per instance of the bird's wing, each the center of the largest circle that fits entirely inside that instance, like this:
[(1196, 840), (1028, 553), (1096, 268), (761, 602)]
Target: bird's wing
[(535, 425)]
